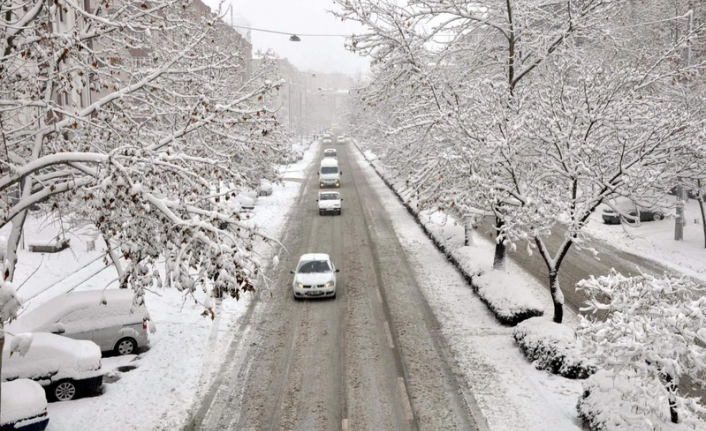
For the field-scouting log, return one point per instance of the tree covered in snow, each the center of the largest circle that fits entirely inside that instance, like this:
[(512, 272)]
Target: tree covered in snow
[(128, 114), (530, 113), (654, 331)]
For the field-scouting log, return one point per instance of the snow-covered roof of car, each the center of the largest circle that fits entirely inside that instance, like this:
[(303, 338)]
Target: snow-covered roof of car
[(313, 256), (42, 317), (329, 193), (329, 162), (330, 150), (28, 400)]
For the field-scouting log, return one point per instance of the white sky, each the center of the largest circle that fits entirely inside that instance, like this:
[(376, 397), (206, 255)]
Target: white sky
[(324, 54)]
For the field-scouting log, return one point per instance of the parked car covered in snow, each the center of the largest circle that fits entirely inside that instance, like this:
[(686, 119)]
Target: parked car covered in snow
[(66, 368), (107, 317), (23, 406), (626, 206), (265, 188), (329, 202)]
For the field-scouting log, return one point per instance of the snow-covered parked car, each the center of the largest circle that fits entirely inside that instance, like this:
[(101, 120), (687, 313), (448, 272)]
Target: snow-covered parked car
[(23, 406), (265, 188), (66, 368), (246, 200), (626, 206), (109, 318), (315, 277), (329, 202)]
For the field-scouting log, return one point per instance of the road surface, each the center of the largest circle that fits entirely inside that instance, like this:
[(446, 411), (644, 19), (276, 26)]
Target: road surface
[(371, 359)]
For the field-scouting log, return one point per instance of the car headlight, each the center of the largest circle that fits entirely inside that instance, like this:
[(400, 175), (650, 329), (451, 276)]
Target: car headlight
[(329, 284), (300, 285)]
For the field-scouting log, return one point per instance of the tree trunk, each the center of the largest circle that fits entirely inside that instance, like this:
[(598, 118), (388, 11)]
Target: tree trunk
[(13, 242), (114, 257), (500, 248), (468, 231), (703, 213), (557, 296), (672, 389)]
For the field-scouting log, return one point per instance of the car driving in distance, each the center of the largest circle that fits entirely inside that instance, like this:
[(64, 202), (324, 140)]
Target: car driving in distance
[(315, 277), (329, 202), (329, 173), (330, 152)]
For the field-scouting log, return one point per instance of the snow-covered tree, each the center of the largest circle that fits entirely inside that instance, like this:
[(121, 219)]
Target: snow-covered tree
[(654, 330)]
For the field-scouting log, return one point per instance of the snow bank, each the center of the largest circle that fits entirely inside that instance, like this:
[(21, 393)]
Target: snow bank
[(627, 403), (506, 295), (553, 347), (22, 399)]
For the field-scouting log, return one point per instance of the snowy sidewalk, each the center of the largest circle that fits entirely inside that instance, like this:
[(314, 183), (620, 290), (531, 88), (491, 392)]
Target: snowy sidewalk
[(511, 393)]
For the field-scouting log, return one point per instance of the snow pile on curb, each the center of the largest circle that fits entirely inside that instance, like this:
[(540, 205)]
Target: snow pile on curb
[(505, 295), (499, 291), (553, 347), (612, 403)]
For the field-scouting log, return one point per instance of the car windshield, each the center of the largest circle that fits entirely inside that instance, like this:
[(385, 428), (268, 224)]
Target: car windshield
[(329, 170), (329, 196), (314, 266)]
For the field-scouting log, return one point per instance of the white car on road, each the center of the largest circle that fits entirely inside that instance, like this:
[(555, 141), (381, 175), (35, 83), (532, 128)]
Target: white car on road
[(329, 152), (315, 277), (329, 202)]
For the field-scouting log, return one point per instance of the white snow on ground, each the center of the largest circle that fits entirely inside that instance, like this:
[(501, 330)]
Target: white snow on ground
[(655, 239), (511, 393), (187, 348)]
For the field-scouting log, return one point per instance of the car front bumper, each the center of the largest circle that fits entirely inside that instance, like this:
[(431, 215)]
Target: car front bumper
[(330, 210), (314, 292), (329, 183)]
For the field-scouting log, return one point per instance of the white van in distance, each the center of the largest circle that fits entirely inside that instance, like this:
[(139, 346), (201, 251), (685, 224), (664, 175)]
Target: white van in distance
[(329, 174)]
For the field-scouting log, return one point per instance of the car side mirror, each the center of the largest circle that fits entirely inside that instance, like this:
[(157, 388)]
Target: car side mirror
[(57, 328), (338, 270), (341, 198), (340, 172), (291, 272), (317, 200), (318, 173)]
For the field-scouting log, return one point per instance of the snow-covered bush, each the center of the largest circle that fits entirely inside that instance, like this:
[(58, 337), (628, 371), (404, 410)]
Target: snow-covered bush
[(626, 402), (553, 347), (507, 298), (654, 331)]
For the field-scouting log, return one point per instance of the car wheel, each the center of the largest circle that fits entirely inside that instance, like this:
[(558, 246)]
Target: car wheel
[(126, 346), (296, 298), (339, 212), (657, 216), (64, 390)]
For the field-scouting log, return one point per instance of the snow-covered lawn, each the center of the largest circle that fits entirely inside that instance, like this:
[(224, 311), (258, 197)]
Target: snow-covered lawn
[(655, 239), (187, 348), (510, 392)]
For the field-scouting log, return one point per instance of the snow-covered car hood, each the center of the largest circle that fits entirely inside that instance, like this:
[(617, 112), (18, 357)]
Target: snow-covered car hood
[(55, 356), (28, 400), (313, 278), (328, 204)]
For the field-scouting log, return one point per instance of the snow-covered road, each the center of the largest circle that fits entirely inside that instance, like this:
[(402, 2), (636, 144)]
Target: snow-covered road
[(373, 358)]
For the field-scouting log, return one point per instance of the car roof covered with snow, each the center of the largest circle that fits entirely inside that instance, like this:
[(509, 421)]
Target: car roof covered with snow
[(338, 195), (27, 401), (313, 256), (45, 315), (329, 162), (49, 355)]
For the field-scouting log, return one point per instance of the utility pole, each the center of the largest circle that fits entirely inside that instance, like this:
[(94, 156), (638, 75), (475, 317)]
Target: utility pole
[(680, 220)]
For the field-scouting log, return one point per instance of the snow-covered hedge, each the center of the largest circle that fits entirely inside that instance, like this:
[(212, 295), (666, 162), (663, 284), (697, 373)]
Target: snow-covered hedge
[(552, 347), (510, 304), (626, 402), (498, 290)]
